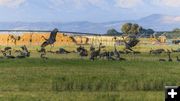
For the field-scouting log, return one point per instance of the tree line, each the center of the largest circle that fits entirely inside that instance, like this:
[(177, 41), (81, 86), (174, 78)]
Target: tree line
[(130, 28)]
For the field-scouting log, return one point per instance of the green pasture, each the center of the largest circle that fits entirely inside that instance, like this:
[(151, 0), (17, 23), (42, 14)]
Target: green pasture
[(72, 78)]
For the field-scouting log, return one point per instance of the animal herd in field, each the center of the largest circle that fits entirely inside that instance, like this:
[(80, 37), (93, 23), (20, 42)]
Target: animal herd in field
[(93, 53)]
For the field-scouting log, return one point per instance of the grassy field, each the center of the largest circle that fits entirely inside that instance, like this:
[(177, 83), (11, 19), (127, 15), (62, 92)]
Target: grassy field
[(70, 78)]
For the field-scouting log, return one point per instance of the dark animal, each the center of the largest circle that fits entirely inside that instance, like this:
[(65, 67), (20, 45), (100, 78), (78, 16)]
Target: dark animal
[(8, 56), (62, 51), (82, 51), (7, 48), (157, 51), (169, 56), (80, 48), (94, 54), (25, 52), (51, 39), (131, 43)]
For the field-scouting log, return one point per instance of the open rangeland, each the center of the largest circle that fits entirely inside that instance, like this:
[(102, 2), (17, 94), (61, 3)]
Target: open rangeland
[(71, 78)]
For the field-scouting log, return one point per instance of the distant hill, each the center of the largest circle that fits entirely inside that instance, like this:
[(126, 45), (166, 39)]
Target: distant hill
[(156, 21)]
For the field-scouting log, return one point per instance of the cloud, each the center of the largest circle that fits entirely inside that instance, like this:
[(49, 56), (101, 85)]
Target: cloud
[(11, 3), (128, 3), (136, 3), (166, 3), (79, 4)]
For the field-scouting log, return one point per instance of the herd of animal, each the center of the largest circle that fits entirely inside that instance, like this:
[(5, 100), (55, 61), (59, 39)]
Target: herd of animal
[(168, 52), (23, 53), (92, 53)]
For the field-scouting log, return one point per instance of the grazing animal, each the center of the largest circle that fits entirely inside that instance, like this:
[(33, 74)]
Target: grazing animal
[(80, 48), (62, 51), (94, 54), (82, 51), (7, 50), (25, 52), (8, 56)]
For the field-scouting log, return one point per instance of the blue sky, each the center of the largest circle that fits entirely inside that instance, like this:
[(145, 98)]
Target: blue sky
[(84, 10)]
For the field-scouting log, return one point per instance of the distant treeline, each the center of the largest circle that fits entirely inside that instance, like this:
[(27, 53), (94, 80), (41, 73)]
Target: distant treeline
[(129, 28)]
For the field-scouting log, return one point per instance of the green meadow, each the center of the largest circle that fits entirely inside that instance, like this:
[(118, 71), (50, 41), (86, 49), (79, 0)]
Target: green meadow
[(72, 78)]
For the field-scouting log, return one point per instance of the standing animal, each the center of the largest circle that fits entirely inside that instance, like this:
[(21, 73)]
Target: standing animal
[(82, 51), (169, 56), (24, 53), (94, 54)]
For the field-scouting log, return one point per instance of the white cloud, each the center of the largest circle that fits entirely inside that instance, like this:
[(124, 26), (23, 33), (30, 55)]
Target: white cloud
[(167, 3), (135, 3), (11, 3), (103, 4), (128, 3)]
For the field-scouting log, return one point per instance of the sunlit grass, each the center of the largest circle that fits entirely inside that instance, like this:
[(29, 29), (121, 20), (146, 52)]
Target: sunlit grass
[(72, 78)]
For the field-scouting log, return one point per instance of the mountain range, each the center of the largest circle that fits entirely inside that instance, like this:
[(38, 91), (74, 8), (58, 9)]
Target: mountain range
[(156, 22)]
